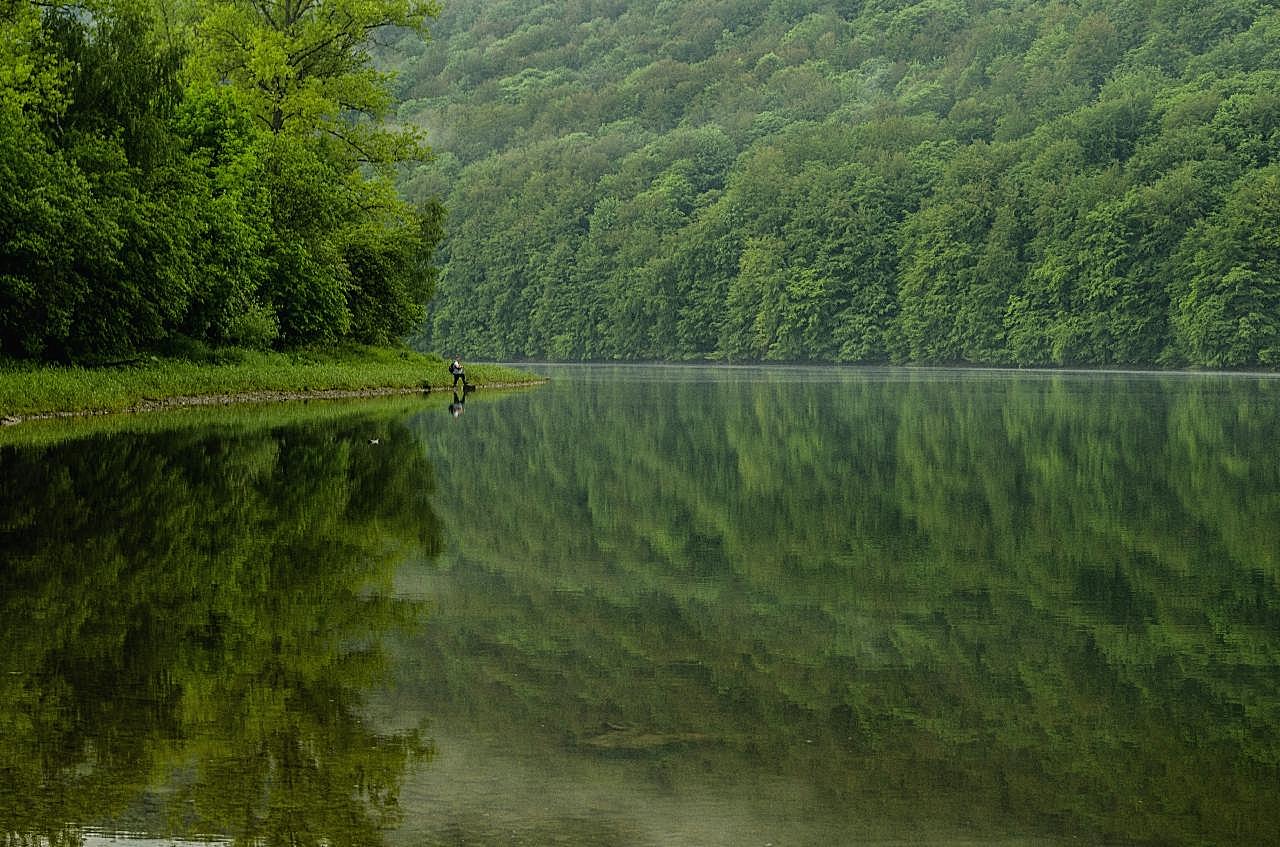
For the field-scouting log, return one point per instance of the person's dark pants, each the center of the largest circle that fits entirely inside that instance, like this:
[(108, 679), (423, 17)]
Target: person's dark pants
[(457, 377)]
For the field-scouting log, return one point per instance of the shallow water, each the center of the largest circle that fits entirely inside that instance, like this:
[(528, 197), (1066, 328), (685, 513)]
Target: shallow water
[(652, 606)]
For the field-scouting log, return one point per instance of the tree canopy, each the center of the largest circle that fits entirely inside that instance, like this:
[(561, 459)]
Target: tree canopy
[(208, 174), (1030, 183)]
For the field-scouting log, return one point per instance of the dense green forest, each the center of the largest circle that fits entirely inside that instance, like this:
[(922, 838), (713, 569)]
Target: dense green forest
[(1006, 181), (180, 174), (1029, 182)]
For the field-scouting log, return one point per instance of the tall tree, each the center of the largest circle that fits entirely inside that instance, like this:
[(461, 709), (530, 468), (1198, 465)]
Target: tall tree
[(1229, 314), (305, 68), (350, 258)]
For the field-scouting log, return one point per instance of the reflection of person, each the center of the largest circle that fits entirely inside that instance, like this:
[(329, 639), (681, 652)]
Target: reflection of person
[(458, 374), (457, 407)]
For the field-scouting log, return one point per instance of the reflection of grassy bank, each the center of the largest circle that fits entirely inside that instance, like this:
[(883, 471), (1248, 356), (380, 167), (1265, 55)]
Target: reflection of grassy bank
[(32, 391)]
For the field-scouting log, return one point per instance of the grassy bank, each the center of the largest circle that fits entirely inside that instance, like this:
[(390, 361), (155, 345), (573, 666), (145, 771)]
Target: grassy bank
[(27, 390)]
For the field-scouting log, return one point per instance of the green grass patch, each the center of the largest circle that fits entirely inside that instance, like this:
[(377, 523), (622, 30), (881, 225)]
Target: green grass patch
[(32, 390)]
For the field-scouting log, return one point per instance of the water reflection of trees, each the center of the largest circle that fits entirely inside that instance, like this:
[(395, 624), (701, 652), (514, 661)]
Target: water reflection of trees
[(1017, 603), (189, 622)]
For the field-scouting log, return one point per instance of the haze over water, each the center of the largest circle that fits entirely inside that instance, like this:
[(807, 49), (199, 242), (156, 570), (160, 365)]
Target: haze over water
[(655, 605)]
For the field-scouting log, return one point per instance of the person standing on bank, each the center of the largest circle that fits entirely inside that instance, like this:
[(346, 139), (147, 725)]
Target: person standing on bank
[(458, 374)]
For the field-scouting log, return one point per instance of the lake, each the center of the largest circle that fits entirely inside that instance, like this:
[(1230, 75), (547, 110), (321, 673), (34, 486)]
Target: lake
[(653, 606)]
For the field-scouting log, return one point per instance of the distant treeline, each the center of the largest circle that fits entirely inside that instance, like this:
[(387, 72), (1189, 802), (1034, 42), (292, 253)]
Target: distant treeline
[(199, 174), (1040, 182)]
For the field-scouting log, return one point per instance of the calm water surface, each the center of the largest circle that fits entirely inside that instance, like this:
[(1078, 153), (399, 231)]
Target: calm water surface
[(653, 606)]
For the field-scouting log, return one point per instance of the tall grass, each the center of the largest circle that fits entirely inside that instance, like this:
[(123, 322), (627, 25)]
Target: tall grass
[(32, 390)]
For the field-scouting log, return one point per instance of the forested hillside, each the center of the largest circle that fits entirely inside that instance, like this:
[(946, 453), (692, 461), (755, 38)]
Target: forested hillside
[(1003, 181), (178, 175)]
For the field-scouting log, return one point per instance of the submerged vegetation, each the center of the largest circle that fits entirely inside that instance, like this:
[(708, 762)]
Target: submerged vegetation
[(1035, 182)]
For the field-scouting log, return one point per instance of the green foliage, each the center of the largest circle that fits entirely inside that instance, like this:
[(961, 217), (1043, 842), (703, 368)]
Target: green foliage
[(1229, 313), (1006, 182), (49, 239), (30, 78), (219, 172), (97, 255), (304, 69)]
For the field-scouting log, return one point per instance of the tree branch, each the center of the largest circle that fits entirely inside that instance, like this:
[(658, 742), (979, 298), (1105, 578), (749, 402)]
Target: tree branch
[(264, 9)]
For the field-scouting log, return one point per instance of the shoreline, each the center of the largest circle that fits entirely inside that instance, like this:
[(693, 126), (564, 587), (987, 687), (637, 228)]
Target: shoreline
[(247, 397)]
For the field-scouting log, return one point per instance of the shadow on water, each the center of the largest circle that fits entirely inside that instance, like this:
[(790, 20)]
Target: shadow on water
[(190, 621)]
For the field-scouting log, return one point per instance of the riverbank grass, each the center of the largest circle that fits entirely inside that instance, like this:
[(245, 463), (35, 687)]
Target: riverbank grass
[(27, 390)]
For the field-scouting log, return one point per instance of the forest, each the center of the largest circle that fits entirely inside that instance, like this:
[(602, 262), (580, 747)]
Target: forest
[(178, 176), (1016, 182)]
